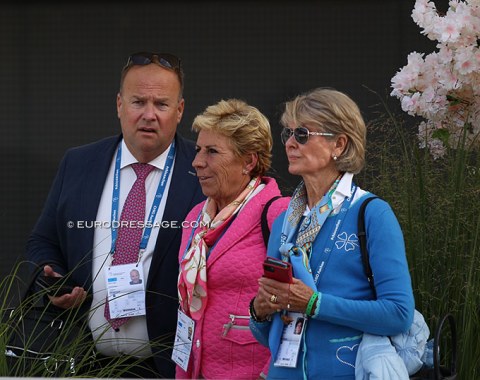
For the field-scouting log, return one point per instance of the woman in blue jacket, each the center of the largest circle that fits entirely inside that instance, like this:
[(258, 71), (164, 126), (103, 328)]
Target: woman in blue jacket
[(325, 136)]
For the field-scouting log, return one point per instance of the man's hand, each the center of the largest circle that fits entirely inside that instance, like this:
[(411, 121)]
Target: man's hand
[(67, 301)]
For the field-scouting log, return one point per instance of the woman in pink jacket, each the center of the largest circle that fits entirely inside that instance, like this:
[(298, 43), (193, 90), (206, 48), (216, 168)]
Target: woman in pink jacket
[(222, 247)]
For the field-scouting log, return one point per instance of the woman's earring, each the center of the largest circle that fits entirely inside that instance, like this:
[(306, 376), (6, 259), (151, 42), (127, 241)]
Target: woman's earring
[(244, 171), (335, 158)]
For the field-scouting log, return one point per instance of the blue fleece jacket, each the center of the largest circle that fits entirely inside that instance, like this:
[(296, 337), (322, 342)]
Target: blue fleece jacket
[(346, 306)]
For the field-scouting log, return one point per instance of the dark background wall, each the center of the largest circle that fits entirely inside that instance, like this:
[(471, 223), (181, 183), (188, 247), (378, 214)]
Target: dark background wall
[(60, 66)]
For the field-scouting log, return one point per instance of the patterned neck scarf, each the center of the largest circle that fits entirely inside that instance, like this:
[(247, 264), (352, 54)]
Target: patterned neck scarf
[(192, 280), (309, 227)]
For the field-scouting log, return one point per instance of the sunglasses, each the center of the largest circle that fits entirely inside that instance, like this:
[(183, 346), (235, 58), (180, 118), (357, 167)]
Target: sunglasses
[(301, 134), (166, 60)]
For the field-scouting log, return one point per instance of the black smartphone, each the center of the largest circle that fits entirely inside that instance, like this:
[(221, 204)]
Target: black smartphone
[(55, 286), (277, 269)]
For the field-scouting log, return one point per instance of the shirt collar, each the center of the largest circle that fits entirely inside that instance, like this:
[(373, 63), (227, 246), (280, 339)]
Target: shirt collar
[(343, 190), (128, 158)]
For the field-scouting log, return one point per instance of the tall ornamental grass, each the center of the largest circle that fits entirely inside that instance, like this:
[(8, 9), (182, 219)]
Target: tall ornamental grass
[(73, 339), (437, 202), (432, 176)]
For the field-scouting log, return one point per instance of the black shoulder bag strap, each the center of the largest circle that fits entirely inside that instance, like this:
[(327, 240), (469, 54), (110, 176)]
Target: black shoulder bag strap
[(362, 240), (439, 373), (264, 221)]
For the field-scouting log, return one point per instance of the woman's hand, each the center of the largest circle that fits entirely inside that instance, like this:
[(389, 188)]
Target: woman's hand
[(274, 296)]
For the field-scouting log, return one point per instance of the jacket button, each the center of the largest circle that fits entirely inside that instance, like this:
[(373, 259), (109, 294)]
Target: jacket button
[(197, 343)]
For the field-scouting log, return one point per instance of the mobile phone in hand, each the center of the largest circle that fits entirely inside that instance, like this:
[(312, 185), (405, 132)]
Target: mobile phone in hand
[(54, 286), (277, 269)]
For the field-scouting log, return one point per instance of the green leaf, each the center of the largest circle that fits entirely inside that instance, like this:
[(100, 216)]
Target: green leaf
[(442, 134), (453, 100)]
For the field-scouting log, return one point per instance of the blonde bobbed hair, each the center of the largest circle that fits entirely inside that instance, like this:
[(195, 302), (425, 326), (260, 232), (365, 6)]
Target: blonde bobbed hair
[(246, 127), (335, 112)]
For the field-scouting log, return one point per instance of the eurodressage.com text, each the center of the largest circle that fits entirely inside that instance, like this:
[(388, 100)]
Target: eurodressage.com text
[(133, 224)]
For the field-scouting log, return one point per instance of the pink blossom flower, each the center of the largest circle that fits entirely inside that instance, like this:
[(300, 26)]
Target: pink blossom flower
[(443, 87)]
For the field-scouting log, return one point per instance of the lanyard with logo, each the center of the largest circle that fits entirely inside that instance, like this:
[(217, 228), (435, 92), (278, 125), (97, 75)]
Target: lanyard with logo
[(156, 200)]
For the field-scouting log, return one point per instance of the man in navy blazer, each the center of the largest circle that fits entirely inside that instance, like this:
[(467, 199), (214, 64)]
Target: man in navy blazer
[(73, 235)]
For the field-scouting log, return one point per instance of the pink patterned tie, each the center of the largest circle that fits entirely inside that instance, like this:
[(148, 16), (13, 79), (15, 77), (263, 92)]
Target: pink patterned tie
[(128, 241)]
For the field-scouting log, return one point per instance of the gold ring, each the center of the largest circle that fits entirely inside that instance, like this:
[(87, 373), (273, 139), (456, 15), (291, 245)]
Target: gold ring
[(273, 298)]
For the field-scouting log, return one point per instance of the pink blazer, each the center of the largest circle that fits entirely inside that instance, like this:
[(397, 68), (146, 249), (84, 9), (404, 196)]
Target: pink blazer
[(223, 346)]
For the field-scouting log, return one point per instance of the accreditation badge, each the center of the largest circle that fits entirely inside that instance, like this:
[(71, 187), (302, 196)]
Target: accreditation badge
[(125, 290), (291, 339), (182, 347)]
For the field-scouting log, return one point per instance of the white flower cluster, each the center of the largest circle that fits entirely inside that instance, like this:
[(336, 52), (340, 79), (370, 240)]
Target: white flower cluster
[(444, 86)]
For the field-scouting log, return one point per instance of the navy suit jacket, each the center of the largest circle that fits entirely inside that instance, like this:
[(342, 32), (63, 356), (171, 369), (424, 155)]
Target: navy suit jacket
[(75, 196)]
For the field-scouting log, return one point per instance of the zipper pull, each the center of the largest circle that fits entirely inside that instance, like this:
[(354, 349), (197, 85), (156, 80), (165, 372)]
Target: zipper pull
[(228, 326)]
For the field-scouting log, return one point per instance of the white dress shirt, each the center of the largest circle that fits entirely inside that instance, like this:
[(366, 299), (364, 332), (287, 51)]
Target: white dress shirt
[(132, 339)]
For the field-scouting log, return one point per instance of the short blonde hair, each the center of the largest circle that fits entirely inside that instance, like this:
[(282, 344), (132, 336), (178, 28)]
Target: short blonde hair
[(246, 127), (335, 112)]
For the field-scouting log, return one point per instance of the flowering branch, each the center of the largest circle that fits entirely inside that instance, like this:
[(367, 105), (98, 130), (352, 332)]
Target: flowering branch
[(444, 86)]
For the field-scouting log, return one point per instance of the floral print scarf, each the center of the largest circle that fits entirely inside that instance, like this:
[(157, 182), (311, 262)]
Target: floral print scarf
[(192, 280)]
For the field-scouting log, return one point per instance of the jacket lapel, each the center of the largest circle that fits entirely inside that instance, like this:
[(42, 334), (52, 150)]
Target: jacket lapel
[(93, 177), (96, 173), (239, 228)]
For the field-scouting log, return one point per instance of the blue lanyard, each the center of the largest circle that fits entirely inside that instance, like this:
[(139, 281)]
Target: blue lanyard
[(340, 217), (156, 200)]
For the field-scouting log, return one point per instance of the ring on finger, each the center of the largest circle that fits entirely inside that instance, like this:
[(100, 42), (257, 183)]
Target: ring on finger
[(273, 298)]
